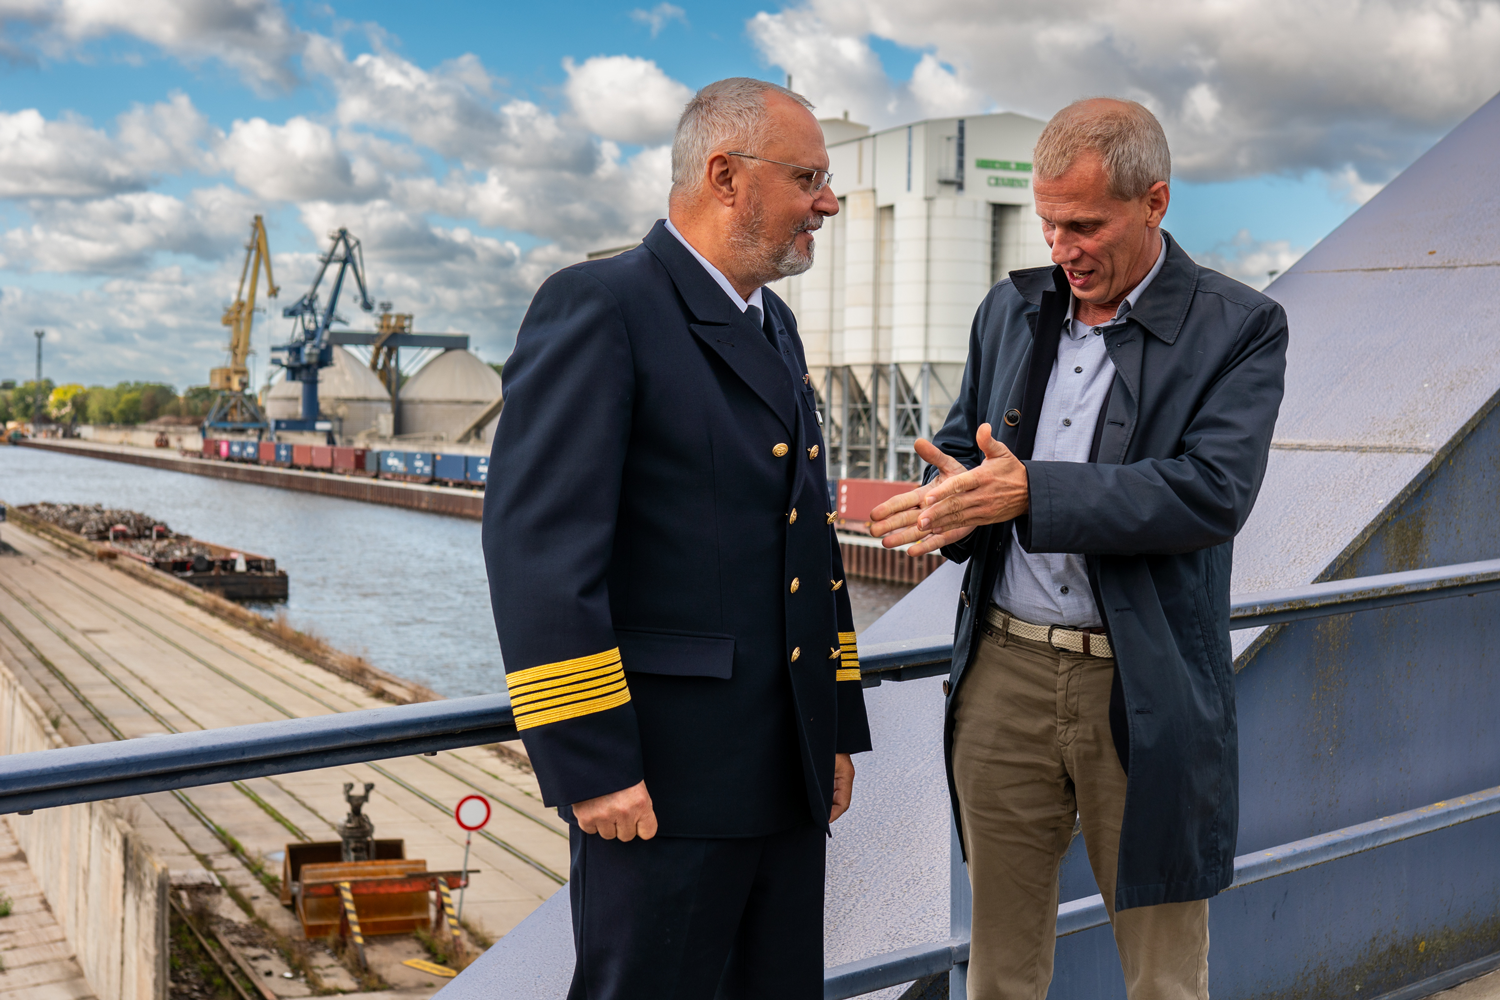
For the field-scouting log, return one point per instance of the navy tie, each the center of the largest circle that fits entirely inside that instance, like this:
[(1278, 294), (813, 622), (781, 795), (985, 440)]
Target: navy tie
[(759, 319)]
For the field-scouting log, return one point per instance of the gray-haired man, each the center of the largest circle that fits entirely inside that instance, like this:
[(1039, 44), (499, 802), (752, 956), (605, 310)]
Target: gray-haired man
[(678, 642), (1107, 444)]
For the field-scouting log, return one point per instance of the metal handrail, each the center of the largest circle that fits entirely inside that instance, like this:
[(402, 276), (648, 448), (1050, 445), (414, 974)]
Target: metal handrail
[(910, 659), (72, 775), (910, 964)]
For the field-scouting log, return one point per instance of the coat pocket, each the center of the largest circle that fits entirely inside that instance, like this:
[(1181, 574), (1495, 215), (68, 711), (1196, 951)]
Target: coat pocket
[(676, 654)]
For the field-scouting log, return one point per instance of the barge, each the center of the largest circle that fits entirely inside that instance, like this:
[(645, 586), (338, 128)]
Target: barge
[(230, 573)]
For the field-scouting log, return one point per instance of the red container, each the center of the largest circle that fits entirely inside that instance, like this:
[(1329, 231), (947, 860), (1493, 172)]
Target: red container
[(857, 497), (302, 456), (223, 449), (322, 457), (349, 460), (266, 453), (210, 448)]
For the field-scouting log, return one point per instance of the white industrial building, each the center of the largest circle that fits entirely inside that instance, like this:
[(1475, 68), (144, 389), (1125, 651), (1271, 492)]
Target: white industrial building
[(932, 214)]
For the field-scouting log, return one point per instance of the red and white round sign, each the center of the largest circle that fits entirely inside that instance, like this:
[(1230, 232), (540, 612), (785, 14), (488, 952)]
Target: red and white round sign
[(472, 812)]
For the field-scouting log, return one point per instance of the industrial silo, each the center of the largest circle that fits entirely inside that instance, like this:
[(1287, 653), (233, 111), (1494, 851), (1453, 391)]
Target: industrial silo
[(445, 396), (348, 394)]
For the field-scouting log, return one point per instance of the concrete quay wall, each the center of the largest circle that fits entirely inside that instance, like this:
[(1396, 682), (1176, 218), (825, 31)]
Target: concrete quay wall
[(413, 496), (106, 889)]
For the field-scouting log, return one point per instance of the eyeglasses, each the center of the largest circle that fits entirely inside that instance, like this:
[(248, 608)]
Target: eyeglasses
[(820, 178)]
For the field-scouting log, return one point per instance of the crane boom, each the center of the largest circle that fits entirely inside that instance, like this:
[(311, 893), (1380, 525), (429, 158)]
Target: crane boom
[(240, 314)]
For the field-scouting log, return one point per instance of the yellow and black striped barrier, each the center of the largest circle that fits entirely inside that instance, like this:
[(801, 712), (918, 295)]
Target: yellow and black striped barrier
[(352, 919), (447, 897)]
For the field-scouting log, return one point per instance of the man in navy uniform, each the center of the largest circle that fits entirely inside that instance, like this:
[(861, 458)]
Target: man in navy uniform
[(667, 585)]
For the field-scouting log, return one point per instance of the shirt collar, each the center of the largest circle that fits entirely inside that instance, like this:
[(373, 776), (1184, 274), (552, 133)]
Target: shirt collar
[(755, 298), (1130, 300)]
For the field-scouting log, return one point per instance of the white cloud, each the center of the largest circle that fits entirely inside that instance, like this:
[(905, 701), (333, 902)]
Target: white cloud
[(659, 17), (297, 161), (69, 158), (1255, 262), (123, 233), (254, 37), (625, 99), (1243, 87)]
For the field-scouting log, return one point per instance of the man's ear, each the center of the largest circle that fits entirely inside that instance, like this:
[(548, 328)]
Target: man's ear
[(1158, 197), (724, 179)]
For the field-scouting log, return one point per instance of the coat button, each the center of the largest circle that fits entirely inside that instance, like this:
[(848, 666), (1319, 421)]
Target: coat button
[(835, 584), (1012, 417), (946, 689), (796, 582), (796, 652), (792, 517), (780, 450), (834, 652), (807, 379), (831, 515), (812, 452)]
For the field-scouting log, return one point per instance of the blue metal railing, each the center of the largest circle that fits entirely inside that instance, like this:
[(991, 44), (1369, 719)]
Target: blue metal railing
[(109, 770)]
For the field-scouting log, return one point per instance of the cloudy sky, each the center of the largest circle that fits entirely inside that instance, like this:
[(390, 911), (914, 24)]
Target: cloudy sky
[(475, 148)]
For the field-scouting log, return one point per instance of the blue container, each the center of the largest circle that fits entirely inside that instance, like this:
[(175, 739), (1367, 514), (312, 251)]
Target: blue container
[(419, 465), (283, 454), (478, 468), (237, 450), (392, 463), (449, 468)]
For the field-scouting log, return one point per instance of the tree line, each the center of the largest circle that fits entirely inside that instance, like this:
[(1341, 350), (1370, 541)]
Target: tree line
[(124, 403)]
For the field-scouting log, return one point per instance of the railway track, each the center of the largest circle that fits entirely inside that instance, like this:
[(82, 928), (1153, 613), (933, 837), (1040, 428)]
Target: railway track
[(120, 661)]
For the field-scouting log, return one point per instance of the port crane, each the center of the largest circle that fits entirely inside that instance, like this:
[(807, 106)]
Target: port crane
[(234, 409), (311, 346)]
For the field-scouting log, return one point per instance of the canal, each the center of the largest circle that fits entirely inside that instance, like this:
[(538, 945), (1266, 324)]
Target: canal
[(403, 588)]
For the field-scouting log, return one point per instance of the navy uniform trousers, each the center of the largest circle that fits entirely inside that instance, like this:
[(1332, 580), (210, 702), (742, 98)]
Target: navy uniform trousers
[(678, 918)]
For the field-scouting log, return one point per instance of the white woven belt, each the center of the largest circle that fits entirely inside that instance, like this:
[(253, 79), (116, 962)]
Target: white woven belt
[(1071, 640)]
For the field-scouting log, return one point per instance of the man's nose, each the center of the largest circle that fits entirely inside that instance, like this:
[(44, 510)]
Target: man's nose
[(1064, 250), (824, 202)]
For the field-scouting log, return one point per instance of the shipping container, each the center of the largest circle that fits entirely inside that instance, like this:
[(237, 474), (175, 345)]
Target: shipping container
[(370, 465), (322, 457), (223, 449), (478, 469), (348, 460), (857, 497), (266, 453), (419, 466), (449, 469), (284, 455), (210, 448), (302, 456), (391, 464)]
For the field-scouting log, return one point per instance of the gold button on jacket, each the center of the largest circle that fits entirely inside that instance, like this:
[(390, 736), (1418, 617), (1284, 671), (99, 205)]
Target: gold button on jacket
[(792, 517), (780, 450), (795, 584), (812, 452), (796, 652), (831, 515)]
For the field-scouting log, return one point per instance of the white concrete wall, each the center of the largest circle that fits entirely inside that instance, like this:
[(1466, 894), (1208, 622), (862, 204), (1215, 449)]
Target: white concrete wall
[(187, 438), (105, 888)]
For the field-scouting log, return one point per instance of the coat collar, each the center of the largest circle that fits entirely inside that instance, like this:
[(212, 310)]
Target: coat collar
[(723, 328), (1163, 307)]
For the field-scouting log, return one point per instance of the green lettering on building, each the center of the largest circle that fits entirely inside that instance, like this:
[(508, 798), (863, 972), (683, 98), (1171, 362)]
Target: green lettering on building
[(1012, 165), (1009, 182)]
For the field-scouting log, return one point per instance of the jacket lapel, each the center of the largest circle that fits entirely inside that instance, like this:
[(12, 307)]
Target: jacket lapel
[(720, 325), (1044, 339)]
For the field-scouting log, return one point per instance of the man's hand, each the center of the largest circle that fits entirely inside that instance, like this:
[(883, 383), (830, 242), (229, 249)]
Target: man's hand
[(625, 814), (843, 785), (895, 521), (992, 493)]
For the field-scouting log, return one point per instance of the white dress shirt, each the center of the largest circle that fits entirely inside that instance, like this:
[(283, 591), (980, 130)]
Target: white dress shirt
[(713, 272)]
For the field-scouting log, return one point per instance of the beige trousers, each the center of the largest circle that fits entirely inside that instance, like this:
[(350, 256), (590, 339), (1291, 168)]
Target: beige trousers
[(1032, 748)]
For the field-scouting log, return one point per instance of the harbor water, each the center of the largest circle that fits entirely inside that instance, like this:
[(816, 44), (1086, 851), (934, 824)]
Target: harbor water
[(403, 588)]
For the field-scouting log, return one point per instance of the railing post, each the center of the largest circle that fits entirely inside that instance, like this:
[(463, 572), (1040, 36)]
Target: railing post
[(960, 906)]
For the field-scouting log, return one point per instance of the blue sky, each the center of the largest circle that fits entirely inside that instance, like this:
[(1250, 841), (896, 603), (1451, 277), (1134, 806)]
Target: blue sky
[(478, 147)]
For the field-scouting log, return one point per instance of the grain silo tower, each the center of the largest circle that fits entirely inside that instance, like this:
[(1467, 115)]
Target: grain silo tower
[(349, 394), (445, 396)]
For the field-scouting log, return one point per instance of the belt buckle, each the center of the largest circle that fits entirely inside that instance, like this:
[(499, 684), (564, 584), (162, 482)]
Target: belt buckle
[(1050, 630)]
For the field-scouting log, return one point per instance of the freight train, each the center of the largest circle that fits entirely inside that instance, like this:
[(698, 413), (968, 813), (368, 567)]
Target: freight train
[(443, 468)]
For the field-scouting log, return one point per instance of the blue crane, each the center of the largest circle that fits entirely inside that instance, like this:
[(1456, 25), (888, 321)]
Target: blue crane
[(311, 346)]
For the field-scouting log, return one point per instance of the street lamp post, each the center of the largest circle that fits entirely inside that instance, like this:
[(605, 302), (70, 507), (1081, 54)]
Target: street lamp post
[(37, 408)]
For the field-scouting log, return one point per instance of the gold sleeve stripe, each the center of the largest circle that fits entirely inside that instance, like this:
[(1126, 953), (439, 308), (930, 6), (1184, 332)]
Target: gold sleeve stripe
[(846, 637), (569, 689), (533, 674), (574, 711), (846, 674), (848, 659), (520, 691)]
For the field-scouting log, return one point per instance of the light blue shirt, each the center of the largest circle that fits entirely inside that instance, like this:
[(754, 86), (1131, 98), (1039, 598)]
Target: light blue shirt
[(1052, 588), (741, 304)]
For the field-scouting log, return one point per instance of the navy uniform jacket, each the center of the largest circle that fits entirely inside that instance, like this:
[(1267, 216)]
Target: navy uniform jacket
[(666, 581)]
